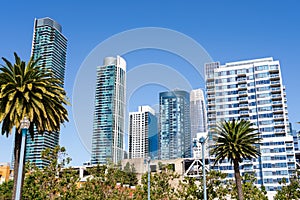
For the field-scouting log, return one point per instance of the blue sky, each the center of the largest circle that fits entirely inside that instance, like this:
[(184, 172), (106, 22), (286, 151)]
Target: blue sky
[(227, 30)]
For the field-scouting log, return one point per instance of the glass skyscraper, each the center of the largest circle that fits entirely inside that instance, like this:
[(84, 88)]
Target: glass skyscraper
[(143, 133), (198, 119), (109, 113), (198, 112), (253, 90), (50, 45), (175, 129)]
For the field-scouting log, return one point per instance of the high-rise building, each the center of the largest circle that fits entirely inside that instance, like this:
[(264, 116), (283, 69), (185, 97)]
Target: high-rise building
[(50, 45), (198, 119), (143, 133), (109, 114), (198, 112), (253, 90), (175, 128)]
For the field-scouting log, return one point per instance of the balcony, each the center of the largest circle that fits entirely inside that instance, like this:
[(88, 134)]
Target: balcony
[(275, 83), (210, 84), (241, 74), (242, 93), (243, 106), (279, 124), (291, 167), (211, 103), (241, 79), (212, 123), (211, 115), (289, 144), (242, 87), (276, 96), (244, 112), (210, 91), (243, 99), (278, 110), (277, 103), (274, 76), (274, 68), (278, 116), (279, 131), (212, 109), (275, 90)]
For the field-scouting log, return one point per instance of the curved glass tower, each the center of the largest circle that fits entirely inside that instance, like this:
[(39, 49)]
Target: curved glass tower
[(109, 114), (50, 45)]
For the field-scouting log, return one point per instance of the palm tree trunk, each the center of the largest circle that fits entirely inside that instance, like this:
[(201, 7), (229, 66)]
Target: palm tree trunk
[(238, 180), (18, 139)]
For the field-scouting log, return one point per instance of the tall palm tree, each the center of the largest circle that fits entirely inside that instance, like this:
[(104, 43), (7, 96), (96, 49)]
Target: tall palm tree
[(236, 140), (29, 91)]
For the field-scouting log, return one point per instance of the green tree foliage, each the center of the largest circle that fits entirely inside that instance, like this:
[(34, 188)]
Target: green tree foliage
[(251, 192), (289, 191), (163, 184), (52, 181), (235, 141), (109, 182), (29, 91), (216, 185), (6, 190)]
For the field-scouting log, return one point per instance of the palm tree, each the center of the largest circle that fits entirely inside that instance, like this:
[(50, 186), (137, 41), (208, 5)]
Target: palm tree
[(29, 91), (236, 140)]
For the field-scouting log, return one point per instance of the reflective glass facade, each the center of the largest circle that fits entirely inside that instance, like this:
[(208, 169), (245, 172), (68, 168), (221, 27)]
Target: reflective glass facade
[(175, 128), (50, 45), (109, 114), (198, 112)]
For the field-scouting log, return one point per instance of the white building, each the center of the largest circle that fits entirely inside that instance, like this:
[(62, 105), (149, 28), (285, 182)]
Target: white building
[(143, 133), (198, 112), (253, 90)]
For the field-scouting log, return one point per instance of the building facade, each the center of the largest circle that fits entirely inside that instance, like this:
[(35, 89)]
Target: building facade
[(198, 112), (4, 172), (253, 90), (143, 133), (109, 113), (50, 45), (174, 122)]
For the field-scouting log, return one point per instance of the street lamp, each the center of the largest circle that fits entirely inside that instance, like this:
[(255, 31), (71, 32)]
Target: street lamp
[(25, 123), (148, 162), (202, 142)]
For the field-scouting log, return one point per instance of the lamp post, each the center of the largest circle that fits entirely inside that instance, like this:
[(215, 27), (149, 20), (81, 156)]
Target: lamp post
[(25, 123), (202, 142), (148, 162)]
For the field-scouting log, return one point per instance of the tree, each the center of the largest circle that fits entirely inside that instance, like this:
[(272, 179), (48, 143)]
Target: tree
[(29, 91), (162, 184), (6, 189), (235, 140), (289, 191), (251, 191), (108, 182), (217, 187), (53, 181)]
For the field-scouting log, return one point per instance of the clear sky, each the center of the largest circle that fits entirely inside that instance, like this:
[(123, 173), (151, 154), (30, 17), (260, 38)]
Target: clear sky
[(227, 30)]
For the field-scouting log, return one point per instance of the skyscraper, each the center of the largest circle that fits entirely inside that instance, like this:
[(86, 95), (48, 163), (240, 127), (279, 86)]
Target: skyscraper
[(50, 45), (253, 90), (175, 129), (109, 114), (143, 133), (198, 112)]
